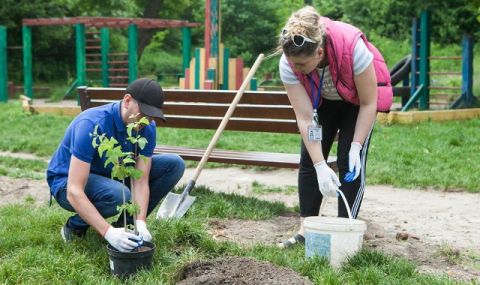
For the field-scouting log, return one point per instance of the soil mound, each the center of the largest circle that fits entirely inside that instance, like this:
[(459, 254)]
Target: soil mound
[(239, 271)]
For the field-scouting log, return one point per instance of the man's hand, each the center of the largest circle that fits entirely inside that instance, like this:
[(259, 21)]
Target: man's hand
[(121, 240), (328, 182), (354, 159), (143, 231)]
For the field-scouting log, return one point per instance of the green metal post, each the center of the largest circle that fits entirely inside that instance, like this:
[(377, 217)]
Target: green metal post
[(226, 57), (81, 55), (253, 84), (214, 31), (27, 61), (466, 99), (132, 52), (105, 45), (467, 68), (197, 68), (3, 65), (186, 46), (424, 77)]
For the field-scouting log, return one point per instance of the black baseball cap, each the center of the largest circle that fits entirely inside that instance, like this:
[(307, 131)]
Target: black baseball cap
[(149, 96)]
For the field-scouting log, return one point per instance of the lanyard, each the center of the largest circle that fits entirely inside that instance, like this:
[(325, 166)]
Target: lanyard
[(316, 99)]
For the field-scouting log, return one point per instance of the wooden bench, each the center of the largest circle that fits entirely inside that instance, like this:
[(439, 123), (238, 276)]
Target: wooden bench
[(257, 111)]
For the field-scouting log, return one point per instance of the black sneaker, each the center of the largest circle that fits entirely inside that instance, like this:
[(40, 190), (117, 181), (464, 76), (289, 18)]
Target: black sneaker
[(69, 234)]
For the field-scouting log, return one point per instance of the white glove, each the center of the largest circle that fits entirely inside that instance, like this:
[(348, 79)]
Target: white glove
[(142, 230), (121, 240), (328, 182), (354, 159)]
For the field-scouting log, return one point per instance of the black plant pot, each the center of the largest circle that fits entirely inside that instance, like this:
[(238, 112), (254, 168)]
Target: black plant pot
[(124, 264)]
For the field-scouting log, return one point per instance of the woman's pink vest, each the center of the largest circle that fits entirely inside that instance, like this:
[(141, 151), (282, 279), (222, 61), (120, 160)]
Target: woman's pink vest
[(341, 40)]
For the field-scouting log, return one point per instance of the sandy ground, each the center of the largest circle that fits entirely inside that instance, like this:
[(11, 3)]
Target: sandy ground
[(431, 221)]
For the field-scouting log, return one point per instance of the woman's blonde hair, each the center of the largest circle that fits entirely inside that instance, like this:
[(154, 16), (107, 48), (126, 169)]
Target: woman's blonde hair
[(304, 22)]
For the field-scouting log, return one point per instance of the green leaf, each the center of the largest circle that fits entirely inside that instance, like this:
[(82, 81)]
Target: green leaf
[(142, 142), (128, 160), (129, 129), (144, 121)]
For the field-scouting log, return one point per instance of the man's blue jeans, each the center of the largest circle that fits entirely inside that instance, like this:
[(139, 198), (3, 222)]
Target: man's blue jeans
[(106, 194)]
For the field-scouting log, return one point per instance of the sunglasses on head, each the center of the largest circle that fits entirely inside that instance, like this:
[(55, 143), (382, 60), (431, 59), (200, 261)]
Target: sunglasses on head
[(298, 40)]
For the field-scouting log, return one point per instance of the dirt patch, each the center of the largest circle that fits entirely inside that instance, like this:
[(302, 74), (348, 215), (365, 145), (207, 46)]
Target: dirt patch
[(239, 270), (18, 190), (402, 244), (429, 219)]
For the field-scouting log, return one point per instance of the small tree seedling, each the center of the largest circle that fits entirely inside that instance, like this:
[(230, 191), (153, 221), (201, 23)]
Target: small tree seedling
[(123, 162)]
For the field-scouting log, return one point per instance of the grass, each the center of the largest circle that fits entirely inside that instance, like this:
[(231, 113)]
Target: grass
[(22, 168), (34, 253), (440, 155), (259, 188)]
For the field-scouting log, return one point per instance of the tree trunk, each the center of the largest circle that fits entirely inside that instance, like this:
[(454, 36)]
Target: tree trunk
[(145, 35)]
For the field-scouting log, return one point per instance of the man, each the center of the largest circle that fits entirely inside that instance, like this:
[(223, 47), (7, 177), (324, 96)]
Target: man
[(80, 183)]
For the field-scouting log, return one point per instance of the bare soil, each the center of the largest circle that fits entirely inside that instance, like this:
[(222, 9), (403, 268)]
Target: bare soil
[(437, 230), (239, 271)]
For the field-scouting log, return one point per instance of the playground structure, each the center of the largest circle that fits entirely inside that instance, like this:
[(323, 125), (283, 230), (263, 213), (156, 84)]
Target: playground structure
[(416, 87), (100, 59), (211, 67)]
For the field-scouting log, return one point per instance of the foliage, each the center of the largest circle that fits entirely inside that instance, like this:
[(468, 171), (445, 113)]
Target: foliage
[(393, 19), (160, 64), (248, 28), (123, 161), (252, 27)]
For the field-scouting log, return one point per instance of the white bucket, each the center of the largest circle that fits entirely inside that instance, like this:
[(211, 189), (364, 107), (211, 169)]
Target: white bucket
[(333, 238)]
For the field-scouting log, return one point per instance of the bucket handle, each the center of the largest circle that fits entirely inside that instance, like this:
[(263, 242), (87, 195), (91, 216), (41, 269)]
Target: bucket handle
[(324, 201)]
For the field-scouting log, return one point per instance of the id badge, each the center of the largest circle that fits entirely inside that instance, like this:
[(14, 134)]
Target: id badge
[(314, 133)]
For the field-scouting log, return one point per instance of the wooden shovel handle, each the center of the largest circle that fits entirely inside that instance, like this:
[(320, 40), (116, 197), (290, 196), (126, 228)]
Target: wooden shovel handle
[(226, 118)]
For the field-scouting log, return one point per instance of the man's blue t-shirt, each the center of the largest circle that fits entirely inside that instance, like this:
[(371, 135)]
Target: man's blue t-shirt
[(78, 142)]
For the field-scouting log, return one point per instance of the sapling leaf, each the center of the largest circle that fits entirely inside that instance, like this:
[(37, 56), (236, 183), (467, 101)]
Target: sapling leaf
[(129, 129), (128, 160), (142, 142), (123, 163), (144, 121)]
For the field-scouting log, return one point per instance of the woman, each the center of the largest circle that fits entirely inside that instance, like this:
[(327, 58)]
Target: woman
[(336, 82)]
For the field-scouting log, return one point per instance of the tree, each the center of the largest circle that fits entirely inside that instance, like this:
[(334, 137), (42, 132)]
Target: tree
[(249, 27)]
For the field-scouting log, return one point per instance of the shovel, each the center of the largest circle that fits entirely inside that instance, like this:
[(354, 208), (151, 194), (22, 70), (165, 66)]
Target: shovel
[(176, 205)]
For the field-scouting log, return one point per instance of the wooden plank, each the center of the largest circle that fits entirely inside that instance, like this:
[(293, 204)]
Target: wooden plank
[(202, 68), (200, 96), (219, 110), (220, 64), (438, 115), (187, 78), (232, 73), (234, 124), (238, 73), (191, 84), (283, 160)]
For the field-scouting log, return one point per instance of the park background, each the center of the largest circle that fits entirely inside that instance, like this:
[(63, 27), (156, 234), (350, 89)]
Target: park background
[(428, 157), (247, 29)]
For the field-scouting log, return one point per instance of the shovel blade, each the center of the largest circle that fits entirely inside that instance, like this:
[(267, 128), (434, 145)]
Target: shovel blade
[(167, 208)]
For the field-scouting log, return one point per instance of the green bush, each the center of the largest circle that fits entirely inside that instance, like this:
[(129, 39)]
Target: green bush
[(163, 65)]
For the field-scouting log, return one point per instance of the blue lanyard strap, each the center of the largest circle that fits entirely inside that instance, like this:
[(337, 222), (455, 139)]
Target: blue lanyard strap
[(316, 99)]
